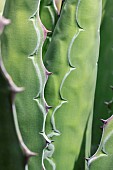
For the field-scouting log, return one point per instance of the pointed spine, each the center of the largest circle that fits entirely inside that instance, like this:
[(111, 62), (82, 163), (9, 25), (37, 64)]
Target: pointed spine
[(42, 73)]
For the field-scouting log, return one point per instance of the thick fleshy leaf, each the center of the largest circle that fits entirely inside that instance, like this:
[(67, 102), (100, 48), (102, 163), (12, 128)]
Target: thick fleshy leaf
[(10, 148), (72, 58), (103, 158), (18, 42), (67, 101), (103, 107)]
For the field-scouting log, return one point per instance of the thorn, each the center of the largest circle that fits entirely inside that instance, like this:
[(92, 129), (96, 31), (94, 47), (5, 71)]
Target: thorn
[(47, 142), (33, 16), (48, 73), (45, 31), (29, 156), (62, 98), (87, 159), (27, 152), (79, 26), (31, 57), (104, 152), (108, 104), (48, 107), (16, 89), (103, 121), (37, 97), (41, 133), (57, 131), (72, 67), (48, 31), (11, 85), (111, 87), (3, 22), (33, 54)]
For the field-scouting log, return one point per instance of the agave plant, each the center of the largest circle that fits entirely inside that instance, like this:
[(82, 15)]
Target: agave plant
[(48, 74), (103, 97)]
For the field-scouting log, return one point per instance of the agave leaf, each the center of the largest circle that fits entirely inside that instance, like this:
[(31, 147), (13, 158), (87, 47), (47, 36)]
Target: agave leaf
[(18, 43), (70, 89), (49, 14), (10, 148), (103, 107), (49, 17), (72, 84), (103, 158), (28, 41)]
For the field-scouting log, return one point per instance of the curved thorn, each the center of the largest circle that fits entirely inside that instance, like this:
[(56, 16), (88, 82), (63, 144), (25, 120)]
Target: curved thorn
[(111, 87), (48, 107), (48, 73), (87, 159), (103, 121)]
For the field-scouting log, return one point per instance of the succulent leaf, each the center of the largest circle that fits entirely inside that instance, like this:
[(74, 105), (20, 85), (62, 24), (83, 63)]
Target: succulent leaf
[(59, 76), (16, 51), (70, 67), (32, 46), (102, 159), (103, 107), (11, 143)]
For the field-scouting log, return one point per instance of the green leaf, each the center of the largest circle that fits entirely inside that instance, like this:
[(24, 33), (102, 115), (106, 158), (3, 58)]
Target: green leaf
[(10, 148), (72, 58), (103, 158), (18, 42), (103, 107)]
